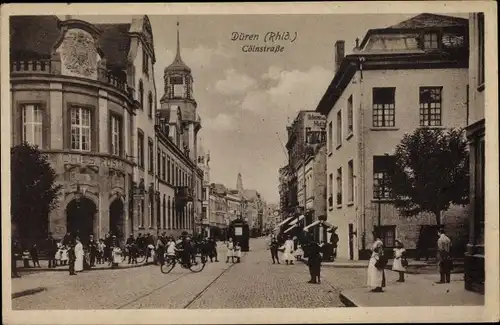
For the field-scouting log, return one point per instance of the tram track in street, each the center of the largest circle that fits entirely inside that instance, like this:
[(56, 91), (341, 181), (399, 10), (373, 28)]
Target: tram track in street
[(173, 281)]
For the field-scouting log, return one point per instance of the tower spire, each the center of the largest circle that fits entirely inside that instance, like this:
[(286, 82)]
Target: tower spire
[(178, 54)]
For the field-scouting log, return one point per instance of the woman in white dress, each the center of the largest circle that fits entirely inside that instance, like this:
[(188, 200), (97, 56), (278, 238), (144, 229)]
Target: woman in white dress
[(79, 255), (288, 251), (399, 257), (230, 250), (375, 279)]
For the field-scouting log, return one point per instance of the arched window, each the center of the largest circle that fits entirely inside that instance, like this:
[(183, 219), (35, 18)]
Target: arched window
[(150, 104), (141, 94)]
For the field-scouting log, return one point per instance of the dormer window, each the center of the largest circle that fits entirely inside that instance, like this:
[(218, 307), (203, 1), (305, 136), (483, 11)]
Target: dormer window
[(178, 88), (431, 41)]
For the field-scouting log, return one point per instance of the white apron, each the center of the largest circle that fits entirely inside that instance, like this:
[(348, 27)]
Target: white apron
[(375, 275), (79, 257), (230, 249), (288, 253), (117, 254), (397, 265)]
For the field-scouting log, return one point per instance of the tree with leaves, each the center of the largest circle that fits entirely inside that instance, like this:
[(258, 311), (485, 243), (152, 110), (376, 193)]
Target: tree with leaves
[(33, 191), (431, 172)]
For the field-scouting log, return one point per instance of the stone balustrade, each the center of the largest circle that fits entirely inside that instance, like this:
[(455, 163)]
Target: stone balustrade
[(53, 67)]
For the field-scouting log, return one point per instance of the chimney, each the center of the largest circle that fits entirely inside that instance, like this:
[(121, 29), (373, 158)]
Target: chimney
[(339, 53)]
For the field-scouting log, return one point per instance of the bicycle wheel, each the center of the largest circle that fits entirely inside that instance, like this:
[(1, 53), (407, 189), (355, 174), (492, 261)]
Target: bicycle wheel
[(167, 266), (198, 263), (141, 257)]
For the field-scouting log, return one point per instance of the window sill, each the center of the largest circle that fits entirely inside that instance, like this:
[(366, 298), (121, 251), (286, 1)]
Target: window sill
[(330, 153), (330, 208), (350, 135), (480, 87), (350, 203), (339, 206), (382, 200), (338, 146), (384, 128), (431, 127), (140, 167)]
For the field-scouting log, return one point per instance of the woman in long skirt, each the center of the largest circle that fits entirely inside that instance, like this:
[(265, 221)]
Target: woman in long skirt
[(79, 255), (375, 279), (230, 250), (288, 251)]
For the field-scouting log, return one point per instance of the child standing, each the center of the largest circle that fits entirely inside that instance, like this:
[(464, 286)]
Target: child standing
[(64, 255), (237, 252), (58, 255), (26, 258), (100, 251), (399, 260)]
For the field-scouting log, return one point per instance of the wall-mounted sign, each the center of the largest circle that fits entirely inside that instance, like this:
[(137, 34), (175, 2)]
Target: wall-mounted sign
[(92, 161), (238, 231)]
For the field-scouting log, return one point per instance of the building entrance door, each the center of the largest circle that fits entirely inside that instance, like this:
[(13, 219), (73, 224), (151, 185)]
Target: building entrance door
[(351, 241), (116, 219), (80, 218)]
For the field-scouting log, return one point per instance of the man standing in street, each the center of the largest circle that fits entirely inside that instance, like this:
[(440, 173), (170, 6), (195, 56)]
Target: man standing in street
[(15, 255), (130, 242), (274, 246), (334, 240), (92, 250), (160, 249), (71, 258), (51, 250), (314, 261), (444, 256)]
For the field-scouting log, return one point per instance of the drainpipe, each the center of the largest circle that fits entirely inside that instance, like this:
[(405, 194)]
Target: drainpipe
[(361, 171)]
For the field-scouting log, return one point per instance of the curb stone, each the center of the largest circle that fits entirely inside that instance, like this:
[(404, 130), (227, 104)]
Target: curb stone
[(346, 301), (36, 270), (27, 292)]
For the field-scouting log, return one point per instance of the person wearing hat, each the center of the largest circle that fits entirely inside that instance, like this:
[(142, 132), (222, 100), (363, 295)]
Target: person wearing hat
[(399, 260), (376, 265), (334, 240), (444, 256)]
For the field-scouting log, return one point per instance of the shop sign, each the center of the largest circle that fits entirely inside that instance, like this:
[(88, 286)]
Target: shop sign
[(92, 161)]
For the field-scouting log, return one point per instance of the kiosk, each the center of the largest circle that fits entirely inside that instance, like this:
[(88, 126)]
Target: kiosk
[(240, 232)]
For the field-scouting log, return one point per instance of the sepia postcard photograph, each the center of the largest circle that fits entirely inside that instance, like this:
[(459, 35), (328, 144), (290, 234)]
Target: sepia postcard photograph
[(250, 163)]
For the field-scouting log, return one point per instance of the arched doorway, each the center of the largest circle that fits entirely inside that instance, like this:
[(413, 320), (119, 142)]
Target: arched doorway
[(80, 218), (116, 220)]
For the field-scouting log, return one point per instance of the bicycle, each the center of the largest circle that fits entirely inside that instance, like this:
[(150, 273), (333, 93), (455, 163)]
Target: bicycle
[(197, 263)]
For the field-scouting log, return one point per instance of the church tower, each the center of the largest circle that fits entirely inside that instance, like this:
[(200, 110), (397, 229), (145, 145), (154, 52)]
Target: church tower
[(179, 105), (239, 183)]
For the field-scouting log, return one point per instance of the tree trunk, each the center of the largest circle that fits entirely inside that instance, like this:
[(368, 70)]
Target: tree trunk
[(437, 213)]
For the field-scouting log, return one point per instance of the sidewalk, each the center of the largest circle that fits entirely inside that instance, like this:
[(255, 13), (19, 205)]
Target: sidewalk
[(418, 290), (414, 267), (45, 267)]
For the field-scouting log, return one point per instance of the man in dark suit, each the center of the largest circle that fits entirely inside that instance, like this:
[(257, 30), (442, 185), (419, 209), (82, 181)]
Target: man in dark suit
[(51, 250), (273, 247), (71, 258), (314, 261), (129, 245), (92, 250)]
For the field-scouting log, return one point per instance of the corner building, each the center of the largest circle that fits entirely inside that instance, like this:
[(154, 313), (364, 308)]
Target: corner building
[(407, 76), (77, 93)]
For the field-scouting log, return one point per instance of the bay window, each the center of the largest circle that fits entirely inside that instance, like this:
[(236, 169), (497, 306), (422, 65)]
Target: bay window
[(80, 128), (32, 124)]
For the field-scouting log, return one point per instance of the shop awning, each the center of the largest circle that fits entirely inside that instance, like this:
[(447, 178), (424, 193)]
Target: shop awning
[(317, 222), (298, 219), (312, 225), (283, 222), (289, 229)]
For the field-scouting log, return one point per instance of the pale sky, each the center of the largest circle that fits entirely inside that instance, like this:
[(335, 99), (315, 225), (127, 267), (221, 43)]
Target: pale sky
[(244, 99)]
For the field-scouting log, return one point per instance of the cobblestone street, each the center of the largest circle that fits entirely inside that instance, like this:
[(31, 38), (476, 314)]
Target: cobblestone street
[(254, 283)]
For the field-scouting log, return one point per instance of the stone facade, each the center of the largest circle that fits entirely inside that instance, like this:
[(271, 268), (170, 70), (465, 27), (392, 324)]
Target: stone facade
[(358, 142), (474, 258), (91, 108)]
